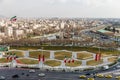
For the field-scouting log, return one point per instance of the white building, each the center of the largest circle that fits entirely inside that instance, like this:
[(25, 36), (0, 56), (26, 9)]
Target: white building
[(52, 37), (62, 25), (18, 33), (9, 31), (2, 34)]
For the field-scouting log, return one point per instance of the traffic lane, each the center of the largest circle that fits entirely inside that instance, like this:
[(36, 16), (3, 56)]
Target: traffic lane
[(8, 73), (61, 76), (23, 74)]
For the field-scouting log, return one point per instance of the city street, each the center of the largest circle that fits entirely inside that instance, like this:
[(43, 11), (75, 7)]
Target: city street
[(24, 74)]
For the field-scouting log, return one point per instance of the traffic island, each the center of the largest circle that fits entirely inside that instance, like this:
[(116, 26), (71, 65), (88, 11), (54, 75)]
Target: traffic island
[(84, 55), (94, 63), (62, 55), (35, 54), (52, 63)]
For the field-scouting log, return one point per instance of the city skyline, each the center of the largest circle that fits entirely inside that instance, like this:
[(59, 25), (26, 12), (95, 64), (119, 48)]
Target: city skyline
[(61, 8)]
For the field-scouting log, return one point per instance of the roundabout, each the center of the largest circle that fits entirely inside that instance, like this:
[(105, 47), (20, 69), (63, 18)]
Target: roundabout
[(75, 60)]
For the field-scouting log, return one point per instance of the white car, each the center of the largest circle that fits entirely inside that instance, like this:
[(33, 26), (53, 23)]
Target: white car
[(32, 71), (41, 74), (118, 66), (2, 78)]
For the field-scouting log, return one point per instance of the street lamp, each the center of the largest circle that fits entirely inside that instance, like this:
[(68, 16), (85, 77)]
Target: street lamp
[(42, 57)]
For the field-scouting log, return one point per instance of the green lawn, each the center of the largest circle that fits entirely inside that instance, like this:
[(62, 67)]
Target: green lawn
[(94, 63), (112, 59), (75, 64), (71, 48), (35, 54), (3, 60), (84, 55), (105, 55), (61, 55), (24, 48), (17, 53), (28, 61), (52, 63)]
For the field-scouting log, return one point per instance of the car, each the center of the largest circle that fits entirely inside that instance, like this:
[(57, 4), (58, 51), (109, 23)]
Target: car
[(41, 75), (15, 76), (90, 79), (108, 76), (117, 77), (118, 66), (32, 71), (87, 74), (106, 67), (82, 76), (100, 75), (2, 78)]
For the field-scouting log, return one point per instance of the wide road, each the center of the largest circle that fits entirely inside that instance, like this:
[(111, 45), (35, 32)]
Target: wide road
[(25, 75), (49, 75)]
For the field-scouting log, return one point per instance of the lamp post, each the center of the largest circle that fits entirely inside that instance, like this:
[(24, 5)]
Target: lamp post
[(42, 57)]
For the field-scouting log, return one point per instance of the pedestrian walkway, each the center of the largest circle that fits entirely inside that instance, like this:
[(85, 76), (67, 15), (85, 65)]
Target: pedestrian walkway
[(52, 55)]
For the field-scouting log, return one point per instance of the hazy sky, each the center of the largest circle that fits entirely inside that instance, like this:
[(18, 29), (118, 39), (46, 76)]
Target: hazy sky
[(60, 8)]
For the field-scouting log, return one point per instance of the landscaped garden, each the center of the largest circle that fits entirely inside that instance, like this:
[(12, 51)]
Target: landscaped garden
[(94, 63), (62, 55), (35, 54), (74, 64), (52, 63), (27, 61), (4, 60), (112, 59), (17, 53), (84, 55)]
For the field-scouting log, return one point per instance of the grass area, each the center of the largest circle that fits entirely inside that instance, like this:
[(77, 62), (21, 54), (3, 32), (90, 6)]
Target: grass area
[(24, 48), (17, 53), (61, 55), (112, 59), (3, 60), (94, 63), (75, 64), (28, 61), (35, 54), (50, 63), (84, 55), (73, 48), (105, 55)]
